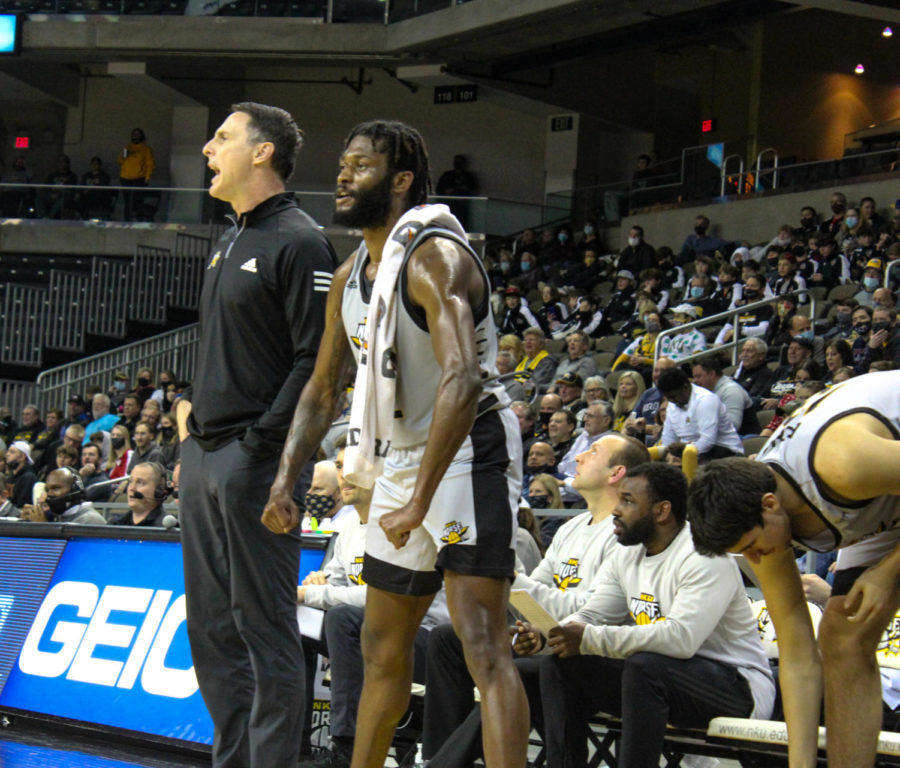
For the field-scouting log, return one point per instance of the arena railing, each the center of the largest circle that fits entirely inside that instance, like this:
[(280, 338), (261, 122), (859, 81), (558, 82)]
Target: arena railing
[(175, 350), (15, 395), (729, 316)]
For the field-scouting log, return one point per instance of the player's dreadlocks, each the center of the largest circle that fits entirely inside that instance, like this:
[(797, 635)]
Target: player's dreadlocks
[(405, 149)]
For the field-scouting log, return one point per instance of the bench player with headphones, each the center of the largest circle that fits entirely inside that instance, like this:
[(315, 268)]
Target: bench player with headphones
[(147, 490), (65, 501)]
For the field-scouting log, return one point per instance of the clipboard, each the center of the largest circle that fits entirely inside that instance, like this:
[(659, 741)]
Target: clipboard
[(532, 611)]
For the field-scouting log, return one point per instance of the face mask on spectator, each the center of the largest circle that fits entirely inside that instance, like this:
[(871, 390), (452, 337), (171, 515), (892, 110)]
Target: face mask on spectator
[(751, 293), (700, 230), (852, 221), (505, 266), (634, 242), (167, 432), (318, 504), (59, 504), (119, 385), (880, 327), (696, 291), (144, 381), (870, 283), (588, 230), (862, 328), (807, 222), (524, 265), (118, 442), (14, 465), (563, 237), (805, 335), (837, 208), (539, 501), (652, 326)]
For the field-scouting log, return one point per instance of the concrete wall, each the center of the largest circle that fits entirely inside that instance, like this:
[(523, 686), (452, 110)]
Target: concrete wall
[(755, 220)]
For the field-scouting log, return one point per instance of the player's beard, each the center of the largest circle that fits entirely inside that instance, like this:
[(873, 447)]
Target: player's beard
[(370, 208), (639, 532)]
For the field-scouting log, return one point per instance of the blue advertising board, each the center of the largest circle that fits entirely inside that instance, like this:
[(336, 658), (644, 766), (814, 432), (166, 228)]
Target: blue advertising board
[(108, 644), (26, 567)]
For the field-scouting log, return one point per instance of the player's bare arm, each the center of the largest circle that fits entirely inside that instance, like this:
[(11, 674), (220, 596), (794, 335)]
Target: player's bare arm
[(800, 667), (872, 472), (446, 283), (315, 409)]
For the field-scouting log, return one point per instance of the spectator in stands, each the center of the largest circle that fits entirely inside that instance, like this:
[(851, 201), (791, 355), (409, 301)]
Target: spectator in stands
[(687, 342), (458, 181), (92, 473), (552, 313), (804, 387), (540, 363), (18, 202), (569, 387), (517, 317), (530, 273), (630, 388), (846, 236), (512, 343), (527, 416), (672, 274), (882, 297), (67, 456), (145, 447), (63, 501), (31, 425), (738, 404), (837, 355), (506, 364), (838, 208), (884, 340), (58, 204), (323, 498), (72, 437), (131, 412), (695, 415), (561, 432), (143, 385), (8, 425), (843, 374), (586, 318), (621, 303), (168, 442), (862, 329), (7, 508), (576, 359), (651, 287), (808, 223), (136, 166), (103, 419), (549, 404), (589, 241), (873, 277), (786, 323), (95, 203), (752, 322), (117, 391), (527, 241), (843, 320), (834, 267), (48, 436), (19, 465), (598, 421), (585, 276), (638, 255), (666, 636), (643, 422), (788, 281), (151, 414), (864, 251), (784, 378), (728, 289), (699, 243), (595, 388), (147, 490), (76, 413), (120, 452), (869, 213), (638, 356), (540, 460)]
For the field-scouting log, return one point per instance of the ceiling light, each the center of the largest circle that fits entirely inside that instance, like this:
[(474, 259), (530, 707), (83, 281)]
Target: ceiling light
[(859, 69), (887, 32)]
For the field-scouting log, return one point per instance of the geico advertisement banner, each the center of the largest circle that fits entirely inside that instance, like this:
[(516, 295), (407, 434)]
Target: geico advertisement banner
[(26, 565), (109, 643)]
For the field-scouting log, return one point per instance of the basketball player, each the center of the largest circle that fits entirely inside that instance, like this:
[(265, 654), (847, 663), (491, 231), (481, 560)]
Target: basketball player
[(828, 477), (428, 405)]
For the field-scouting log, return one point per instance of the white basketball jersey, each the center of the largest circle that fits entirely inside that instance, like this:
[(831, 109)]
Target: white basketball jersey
[(418, 372), (790, 450)]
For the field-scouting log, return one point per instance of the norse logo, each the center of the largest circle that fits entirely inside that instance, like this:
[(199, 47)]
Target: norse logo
[(356, 567), (360, 340), (645, 609), (568, 574), (762, 622), (889, 643), (454, 533)]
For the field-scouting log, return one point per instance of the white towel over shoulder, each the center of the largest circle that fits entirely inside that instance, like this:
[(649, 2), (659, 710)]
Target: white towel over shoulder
[(372, 414)]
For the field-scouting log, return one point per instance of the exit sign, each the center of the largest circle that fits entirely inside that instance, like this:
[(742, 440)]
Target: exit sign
[(707, 126), (22, 142), (455, 94), (562, 123)]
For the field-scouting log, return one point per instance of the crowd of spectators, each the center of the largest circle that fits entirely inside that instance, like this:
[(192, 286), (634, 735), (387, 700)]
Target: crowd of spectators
[(84, 196), (99, 438)]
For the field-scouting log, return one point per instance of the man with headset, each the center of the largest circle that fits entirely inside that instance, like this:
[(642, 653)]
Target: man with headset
[(65, 501), (147, 490)]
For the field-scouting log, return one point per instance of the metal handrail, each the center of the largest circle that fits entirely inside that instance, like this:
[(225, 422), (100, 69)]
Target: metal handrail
[(729, 315), (725, 173), (773, 170), (887, 272)]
